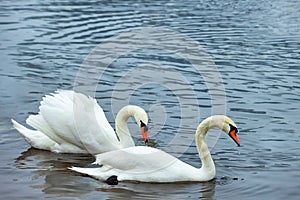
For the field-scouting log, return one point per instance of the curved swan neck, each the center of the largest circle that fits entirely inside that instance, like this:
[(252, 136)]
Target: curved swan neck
[(216, 121), (122, 128), (203, 150), (207, 162)]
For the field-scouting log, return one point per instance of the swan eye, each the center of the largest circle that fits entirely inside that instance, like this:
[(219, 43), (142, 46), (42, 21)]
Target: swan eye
[(233, 128), (142, 124)]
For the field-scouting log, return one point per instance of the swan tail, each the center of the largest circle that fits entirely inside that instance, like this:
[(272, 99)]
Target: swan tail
[(100, 172), (39, 123), (35, 138), (39, 140)]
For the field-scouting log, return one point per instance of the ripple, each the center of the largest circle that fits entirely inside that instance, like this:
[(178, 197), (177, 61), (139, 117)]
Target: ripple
[(248, 110), (255, 48)]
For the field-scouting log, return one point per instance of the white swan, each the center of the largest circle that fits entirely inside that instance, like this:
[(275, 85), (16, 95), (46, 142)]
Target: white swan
[(71, 122), (148, 164)]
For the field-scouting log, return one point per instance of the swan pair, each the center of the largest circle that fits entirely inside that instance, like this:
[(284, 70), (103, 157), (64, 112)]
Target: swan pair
[(71, 122), (118, 160)]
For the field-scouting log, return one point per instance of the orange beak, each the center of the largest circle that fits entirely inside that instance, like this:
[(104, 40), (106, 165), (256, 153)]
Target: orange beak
[(234, 136), (144, 130)]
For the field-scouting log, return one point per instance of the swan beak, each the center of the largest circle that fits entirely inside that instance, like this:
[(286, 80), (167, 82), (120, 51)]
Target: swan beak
[(234, 136), (145, 133), (144, 129)]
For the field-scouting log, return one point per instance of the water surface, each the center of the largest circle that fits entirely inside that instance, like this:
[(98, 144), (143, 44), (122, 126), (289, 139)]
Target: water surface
[(254, 44)]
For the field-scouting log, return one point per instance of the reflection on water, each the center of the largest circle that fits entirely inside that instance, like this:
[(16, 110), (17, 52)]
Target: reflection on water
[(51, 170), (254, 44), (56, 180)]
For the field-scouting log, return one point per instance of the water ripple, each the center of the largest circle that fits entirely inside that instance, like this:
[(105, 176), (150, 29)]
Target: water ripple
[(254, 45)]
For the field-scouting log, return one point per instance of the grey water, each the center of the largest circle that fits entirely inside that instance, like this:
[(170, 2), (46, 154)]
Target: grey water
[(255, 48)]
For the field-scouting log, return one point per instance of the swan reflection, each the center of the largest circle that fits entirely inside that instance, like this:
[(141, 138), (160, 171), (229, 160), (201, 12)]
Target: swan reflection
[(51, 176)]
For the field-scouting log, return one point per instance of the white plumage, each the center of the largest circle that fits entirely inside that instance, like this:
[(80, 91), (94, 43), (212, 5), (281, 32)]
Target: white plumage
[(71, 122), (148, 164)]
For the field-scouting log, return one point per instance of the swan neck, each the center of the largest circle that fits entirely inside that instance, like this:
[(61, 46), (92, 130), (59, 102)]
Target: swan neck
[(208, 165), (122, 128)]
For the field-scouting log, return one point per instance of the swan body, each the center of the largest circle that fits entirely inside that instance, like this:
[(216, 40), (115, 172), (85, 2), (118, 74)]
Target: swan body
[(71, 122), (148, 164)]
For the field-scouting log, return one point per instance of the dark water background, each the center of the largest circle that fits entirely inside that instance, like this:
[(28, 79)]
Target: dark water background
[(254, 44)]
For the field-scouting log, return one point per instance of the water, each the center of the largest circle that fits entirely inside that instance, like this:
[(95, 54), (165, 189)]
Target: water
[(256, 49)]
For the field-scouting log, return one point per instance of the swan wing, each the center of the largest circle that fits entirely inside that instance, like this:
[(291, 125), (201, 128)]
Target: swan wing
[(136, 159), (92, 127), (70, 117), (139, 163), (133, 163), (35, 138), (39, 140)]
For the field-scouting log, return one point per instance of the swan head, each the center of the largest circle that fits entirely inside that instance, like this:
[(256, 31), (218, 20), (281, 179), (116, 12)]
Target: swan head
[(138, 114), (230, 128), (224, 123), (141, 119)]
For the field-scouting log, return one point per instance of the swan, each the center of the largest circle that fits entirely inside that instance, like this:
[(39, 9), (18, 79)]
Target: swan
[(147, 164), (71, 122)]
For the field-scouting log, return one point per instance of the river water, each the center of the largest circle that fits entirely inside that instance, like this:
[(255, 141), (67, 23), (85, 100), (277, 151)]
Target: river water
[(255, 50)]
